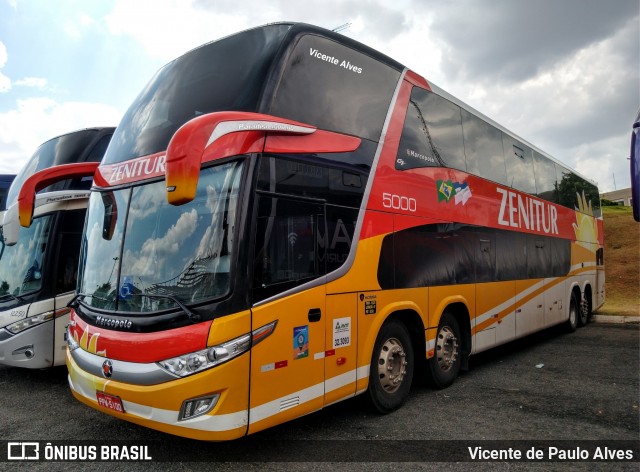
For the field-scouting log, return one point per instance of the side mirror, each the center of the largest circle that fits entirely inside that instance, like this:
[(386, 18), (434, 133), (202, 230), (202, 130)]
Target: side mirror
[(44, 178), (10, 225), (213, 136), (230, 133)]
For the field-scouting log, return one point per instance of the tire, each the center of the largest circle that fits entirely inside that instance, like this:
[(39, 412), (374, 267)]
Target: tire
[(391, 370), (572, 323), (583, 312), (444, 366)]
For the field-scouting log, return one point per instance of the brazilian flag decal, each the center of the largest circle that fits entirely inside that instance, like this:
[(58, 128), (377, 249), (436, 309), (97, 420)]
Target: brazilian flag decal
[(445, 190)]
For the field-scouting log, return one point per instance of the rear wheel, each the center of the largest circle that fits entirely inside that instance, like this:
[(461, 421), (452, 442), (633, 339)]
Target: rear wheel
[(391, 370), (444, 366), (583, 312), (572, 323)]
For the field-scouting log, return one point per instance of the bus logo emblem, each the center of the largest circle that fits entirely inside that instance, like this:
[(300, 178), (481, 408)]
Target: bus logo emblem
[(107, 369)]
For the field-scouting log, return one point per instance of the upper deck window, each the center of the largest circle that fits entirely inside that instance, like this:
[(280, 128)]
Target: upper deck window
[(432, 133), (333, 87)]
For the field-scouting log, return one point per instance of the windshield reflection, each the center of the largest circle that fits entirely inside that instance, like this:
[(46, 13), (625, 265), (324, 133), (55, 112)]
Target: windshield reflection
[(167, 252), (21, 265)]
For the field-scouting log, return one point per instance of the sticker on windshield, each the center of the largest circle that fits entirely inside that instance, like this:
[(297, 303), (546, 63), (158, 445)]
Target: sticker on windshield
[(300, 342), (126, 288)]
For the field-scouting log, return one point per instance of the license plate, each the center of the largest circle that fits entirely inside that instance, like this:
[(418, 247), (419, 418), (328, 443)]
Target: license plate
[(110, 401)]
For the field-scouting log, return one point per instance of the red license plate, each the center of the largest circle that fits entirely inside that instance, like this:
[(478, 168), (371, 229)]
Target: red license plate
[(109, 401)]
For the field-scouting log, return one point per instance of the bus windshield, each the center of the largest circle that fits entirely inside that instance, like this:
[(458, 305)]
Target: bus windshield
[(140, 252), (21, 266), (224, 75)]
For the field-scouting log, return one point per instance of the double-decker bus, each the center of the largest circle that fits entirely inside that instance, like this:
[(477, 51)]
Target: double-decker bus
[(39, 264), (286, 218)]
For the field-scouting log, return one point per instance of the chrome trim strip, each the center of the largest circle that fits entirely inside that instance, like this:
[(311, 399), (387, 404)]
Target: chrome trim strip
[(126, 372), (235, 126)]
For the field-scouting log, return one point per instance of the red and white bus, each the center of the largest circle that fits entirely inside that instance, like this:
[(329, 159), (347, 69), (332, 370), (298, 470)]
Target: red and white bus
[(286, 218), (39, 264)]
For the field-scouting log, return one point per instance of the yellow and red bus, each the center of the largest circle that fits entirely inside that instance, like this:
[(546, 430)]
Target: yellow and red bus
[(286, 218)]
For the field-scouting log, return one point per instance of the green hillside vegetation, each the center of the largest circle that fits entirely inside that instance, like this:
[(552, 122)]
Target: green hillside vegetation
[(622, 262)]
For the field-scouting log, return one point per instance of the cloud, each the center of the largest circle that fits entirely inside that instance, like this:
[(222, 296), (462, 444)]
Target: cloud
[(36, 82), (169, 29), (76, 26), (5, 83), (36, 120), (151, 260), (511, 41)]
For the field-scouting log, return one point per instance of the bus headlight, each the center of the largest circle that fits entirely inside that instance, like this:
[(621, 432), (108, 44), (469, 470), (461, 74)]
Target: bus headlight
[(198, 361), (30, 322)]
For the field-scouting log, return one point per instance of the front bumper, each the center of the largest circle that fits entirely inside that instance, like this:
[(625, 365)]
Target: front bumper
[(158, 406), (31, 349)]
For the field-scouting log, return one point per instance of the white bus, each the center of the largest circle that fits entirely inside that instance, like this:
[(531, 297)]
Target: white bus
[(39, 264)]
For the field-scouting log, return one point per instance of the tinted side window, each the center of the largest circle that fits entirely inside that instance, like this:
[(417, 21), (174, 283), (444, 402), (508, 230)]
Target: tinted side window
[(483, 148), (288, 250), (571, 190), (432, 133), (442, 254), (545, 171), (68, 242), (333, 87), (309, 177), (519, 161)]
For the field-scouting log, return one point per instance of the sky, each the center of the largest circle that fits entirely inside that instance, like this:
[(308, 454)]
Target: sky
[(562, 74)]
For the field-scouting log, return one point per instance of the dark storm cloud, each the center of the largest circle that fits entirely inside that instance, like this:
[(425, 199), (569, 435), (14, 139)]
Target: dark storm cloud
[(612, 96), (514, 40)]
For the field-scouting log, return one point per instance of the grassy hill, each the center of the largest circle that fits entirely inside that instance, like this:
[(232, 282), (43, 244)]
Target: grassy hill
[(622, 262)]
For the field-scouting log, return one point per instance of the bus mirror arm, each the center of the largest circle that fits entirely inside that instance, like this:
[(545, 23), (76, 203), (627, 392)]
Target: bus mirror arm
[(188, 145), (44, 178)]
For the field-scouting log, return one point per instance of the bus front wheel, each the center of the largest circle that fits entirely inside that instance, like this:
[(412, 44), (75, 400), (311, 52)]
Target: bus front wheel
[(444, 366), (391, 370)]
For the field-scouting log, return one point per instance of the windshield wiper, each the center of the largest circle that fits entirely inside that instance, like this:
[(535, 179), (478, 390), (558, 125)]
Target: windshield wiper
[(12, 297), (78, 297), (193, 316), (74, 302)]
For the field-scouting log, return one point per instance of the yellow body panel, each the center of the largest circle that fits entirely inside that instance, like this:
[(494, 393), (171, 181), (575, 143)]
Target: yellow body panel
[(287, 380)]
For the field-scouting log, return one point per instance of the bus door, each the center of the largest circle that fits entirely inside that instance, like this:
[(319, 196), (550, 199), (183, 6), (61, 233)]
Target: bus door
[(65, 272), (287, 368), (341, 347)]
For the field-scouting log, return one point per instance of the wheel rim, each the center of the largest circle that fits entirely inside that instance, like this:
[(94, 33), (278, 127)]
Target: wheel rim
[(573, 315), (446, 348), (392, 365)]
